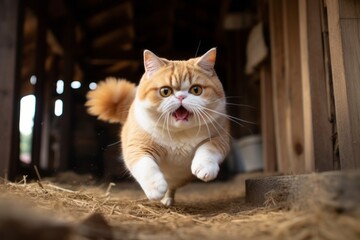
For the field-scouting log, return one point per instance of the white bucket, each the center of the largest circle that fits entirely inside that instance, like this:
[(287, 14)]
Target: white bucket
[(246, 154)]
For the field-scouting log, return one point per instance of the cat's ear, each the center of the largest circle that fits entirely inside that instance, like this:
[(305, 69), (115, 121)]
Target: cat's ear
[(207, 61), (152, 63)]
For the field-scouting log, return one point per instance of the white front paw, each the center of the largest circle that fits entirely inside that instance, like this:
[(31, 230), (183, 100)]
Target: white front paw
[(155, 187), (205, 171)]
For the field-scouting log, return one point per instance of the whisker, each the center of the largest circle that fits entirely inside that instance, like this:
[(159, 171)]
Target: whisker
[(160, 117), (234, 104), (167, 126), (110, 145), (238, 121), (198, 111), (241, 105), (197, 118), (232, 118), (229, 116), (213, 120)]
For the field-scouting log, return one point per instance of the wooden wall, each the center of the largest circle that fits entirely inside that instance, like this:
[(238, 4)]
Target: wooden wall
[(9, 88), (315, 86), (344, 32)]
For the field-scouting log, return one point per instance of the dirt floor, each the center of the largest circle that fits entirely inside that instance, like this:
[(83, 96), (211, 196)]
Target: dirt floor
[(71, 208)]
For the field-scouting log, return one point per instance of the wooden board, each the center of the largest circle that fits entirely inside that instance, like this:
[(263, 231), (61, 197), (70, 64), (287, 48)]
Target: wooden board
[(68, 74), (276, 22), (294, 105), (41, 51), (287, 86), (267, 119), (344, 31), (317, 125), (9, 104)]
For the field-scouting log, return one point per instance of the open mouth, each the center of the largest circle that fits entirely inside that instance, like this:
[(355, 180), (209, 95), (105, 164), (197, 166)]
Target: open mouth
[(181, 114)]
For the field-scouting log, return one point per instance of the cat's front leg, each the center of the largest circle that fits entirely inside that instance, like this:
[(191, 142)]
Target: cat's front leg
[(147, 173), (208, 156)]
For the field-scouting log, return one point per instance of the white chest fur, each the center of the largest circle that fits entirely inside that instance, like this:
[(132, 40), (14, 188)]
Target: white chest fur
[(180, 146)]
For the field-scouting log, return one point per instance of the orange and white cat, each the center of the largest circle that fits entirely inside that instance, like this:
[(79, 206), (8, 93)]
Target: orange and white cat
[(174, 122)]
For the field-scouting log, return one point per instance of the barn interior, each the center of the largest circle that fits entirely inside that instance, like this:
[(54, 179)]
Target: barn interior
[(290, 70), (83, 42)]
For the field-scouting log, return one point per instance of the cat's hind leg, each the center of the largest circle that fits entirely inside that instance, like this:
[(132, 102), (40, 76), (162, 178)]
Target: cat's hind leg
[(147, 173), (169, 198)]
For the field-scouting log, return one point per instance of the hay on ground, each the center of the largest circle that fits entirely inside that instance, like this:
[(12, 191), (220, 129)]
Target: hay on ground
[(212, 211)]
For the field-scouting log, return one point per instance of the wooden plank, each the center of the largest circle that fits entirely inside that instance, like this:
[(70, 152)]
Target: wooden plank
[(267, 119), (317, 126), (276, 23), (349, 9), (294, 105), (345, 62), (68, 74), (10, 32), (41, 51), (45, 159)]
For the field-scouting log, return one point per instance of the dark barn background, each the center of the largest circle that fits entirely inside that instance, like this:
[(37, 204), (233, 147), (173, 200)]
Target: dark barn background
[(302, 95)]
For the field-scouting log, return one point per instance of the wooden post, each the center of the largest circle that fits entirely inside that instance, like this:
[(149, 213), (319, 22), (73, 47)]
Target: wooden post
[(344, 32), (287, 86), (294, 109), (48, 111), (68, 71), (276, 23), (267, 119), (41, 51), (318, 128), (11, 34)]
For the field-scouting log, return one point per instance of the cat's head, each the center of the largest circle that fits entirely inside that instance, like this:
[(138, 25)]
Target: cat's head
[(181, 94)]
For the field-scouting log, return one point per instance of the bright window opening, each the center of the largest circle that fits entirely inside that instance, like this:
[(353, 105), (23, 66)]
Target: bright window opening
[(33, 80), (26, 124), (75, 84), (58, 110), (59, 86), (92, 85)]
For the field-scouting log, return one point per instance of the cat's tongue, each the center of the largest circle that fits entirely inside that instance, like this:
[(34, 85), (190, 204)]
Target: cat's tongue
[(181, 114)]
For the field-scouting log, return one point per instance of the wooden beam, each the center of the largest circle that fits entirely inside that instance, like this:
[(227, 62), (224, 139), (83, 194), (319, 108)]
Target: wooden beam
[(98, 8), (344, 29), (276, 22), (267, 119), (46, 161), (120, 23), (68, 74), (41, 52), (10, 31), (317, 124), (294, 105)]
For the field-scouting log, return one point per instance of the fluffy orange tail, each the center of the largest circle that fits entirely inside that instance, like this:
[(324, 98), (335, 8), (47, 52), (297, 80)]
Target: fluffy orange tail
[(111, 100)]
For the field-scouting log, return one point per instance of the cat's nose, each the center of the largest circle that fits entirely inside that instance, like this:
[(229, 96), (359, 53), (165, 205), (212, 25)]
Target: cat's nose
[(180, 96)]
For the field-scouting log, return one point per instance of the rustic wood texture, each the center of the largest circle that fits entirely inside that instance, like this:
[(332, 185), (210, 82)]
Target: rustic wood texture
[(317, 125), (344, 31), (41, 50), (287, 85), (276, 23), (267, 119), (68, 74), (294, 107), (9, 104)]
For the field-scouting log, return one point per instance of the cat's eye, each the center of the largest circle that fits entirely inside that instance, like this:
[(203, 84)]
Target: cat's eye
[(196, 90), (165, 91)]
